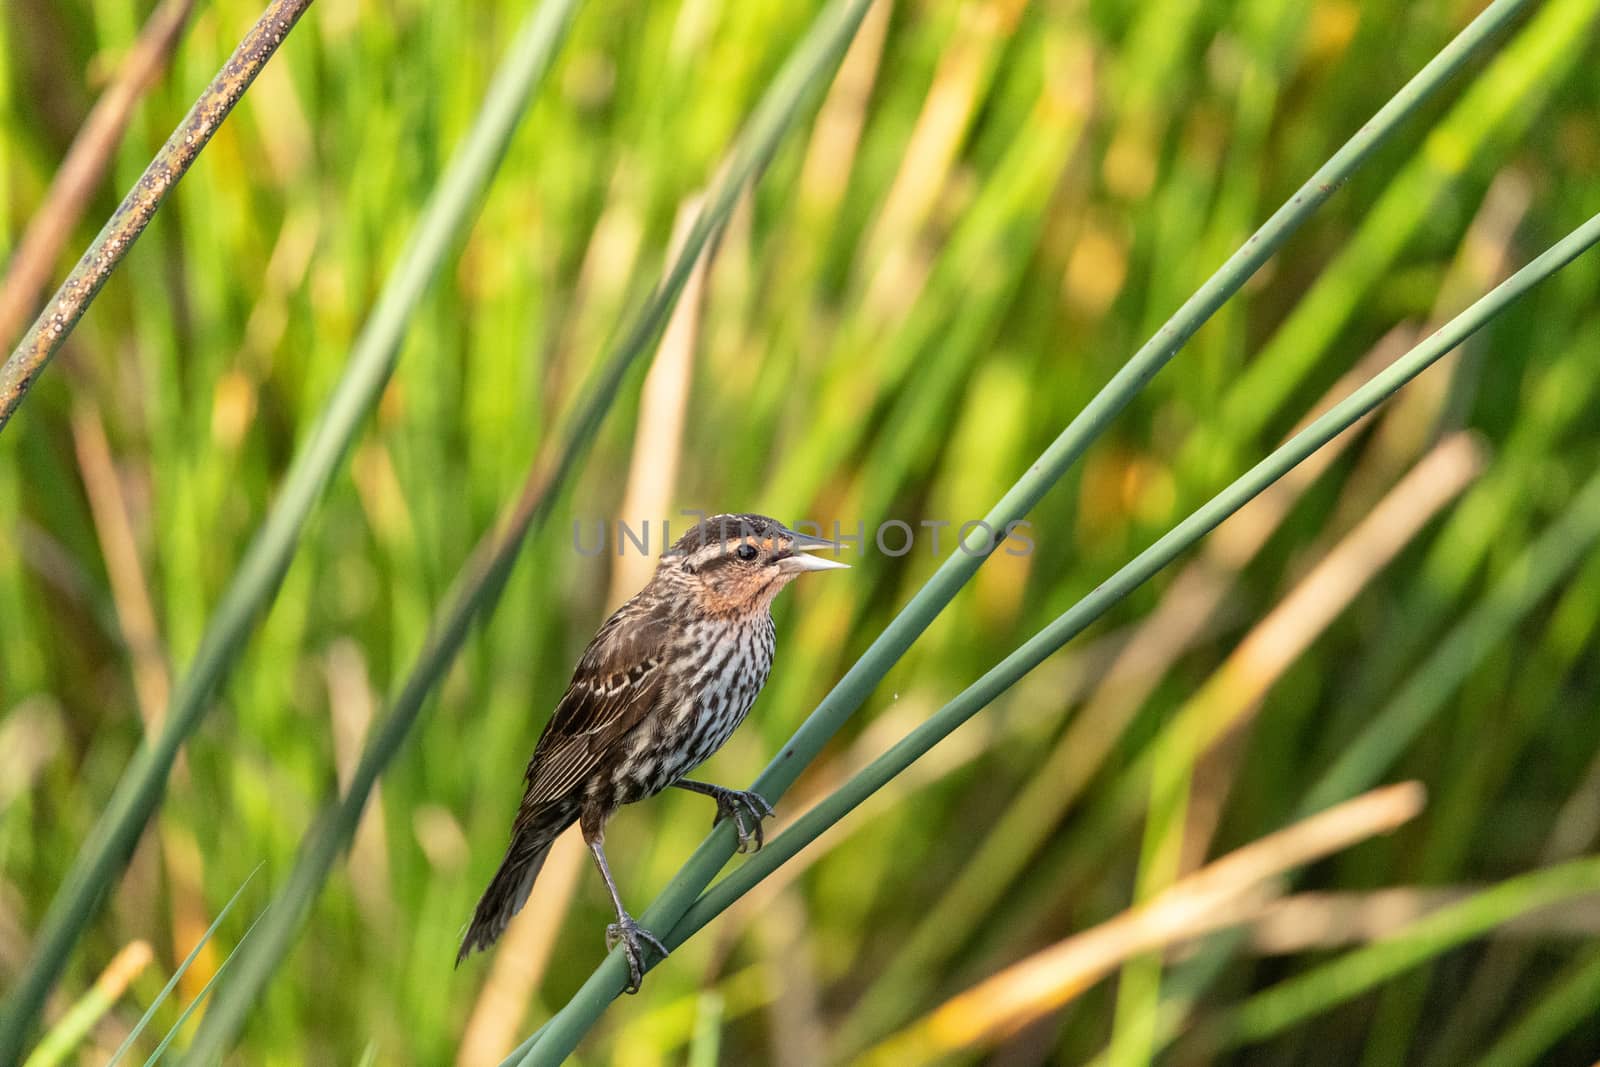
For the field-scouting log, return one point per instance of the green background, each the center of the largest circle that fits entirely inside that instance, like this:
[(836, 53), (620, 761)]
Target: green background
[(998, 203)]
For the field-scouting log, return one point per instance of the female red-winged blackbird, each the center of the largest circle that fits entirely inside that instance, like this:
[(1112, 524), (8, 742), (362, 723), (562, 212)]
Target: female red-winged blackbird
[(663, 684)]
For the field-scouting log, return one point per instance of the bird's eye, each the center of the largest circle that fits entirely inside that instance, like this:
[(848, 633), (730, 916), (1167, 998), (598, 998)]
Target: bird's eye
[(746, 552)]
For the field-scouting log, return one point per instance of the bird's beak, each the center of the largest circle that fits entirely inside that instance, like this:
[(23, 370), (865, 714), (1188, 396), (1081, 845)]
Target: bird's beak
[(798, 561)]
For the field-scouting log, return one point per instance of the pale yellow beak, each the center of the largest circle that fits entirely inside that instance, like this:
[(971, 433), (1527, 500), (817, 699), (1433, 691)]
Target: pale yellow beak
[(800, 561)]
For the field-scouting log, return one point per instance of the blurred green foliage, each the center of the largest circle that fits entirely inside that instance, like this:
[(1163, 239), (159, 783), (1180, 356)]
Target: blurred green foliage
[(996, 204)]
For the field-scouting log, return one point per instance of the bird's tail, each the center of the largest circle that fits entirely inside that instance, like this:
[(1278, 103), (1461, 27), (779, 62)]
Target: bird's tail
[(509, 888)]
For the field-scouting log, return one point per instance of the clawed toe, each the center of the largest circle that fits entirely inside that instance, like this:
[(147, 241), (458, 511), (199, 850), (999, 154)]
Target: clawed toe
[(746, 808), (633, 938), (742, 824)]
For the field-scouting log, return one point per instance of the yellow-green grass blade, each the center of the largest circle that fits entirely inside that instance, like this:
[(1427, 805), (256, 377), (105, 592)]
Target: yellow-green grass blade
[(809, 826), (1562, 1007), (1133, 1025), (55, 323), (1528, 581), (166, 990), (1485, 520), (563, 1031), (606, 983), (76, 1023), (200, 997), (1096, 416), (705, 1046), (260, 572), (1327, 986), (479, 585), (1497, 106)]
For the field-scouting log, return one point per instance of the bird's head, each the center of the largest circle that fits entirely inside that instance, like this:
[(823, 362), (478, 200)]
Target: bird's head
[(736, 564)]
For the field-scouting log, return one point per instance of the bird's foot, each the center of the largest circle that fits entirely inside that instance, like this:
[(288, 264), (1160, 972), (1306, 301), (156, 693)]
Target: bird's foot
[(746, 808), (633, 938)]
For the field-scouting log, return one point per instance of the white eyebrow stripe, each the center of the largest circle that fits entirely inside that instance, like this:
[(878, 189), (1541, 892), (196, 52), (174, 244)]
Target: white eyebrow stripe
[(707, 553)]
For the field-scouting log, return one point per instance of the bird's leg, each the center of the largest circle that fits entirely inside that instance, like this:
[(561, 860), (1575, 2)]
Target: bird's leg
[(745, 807), (633, 936)]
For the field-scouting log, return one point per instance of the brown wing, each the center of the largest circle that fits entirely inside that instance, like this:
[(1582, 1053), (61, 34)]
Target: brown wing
[(617, 682)]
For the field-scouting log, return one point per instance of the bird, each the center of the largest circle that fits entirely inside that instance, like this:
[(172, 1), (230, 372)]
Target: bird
[(663, 684)]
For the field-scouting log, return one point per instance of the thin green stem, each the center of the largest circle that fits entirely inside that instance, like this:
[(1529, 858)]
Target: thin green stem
[(172, 982), (478, 587), (200, 997), (1529, 579), (1561, 1008), (443, 221), (1274, 1010), (568, 1025), (55, 323), (1076, 619)]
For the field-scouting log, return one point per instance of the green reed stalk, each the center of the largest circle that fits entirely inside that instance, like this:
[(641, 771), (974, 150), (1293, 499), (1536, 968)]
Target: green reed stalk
[(55, 323), (478, 586), (567, 1027), (445, 218), (1087, 610)]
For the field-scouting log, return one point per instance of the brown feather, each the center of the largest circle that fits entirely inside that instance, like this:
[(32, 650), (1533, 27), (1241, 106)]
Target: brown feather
[(616, 683)]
